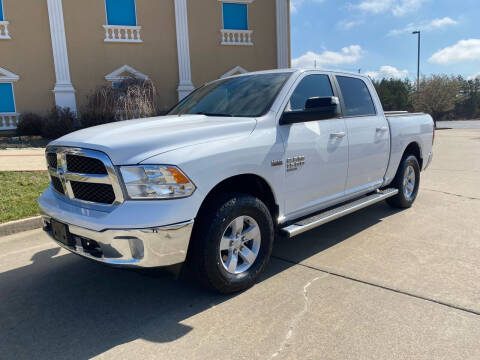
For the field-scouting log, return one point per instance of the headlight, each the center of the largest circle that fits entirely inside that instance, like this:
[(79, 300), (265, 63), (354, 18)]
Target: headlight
[(156, 182)]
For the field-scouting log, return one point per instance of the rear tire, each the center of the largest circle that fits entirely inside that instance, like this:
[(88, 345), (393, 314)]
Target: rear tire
[(407, 181), (232, 242)]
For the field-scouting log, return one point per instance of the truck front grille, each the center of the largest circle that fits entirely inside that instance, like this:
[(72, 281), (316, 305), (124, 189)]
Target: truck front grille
[(83, 175), (52, 160), (101, 193), (57, 185), (85, 165)]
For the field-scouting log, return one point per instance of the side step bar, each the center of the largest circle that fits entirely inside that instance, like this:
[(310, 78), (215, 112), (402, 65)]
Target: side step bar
[(312, 222)]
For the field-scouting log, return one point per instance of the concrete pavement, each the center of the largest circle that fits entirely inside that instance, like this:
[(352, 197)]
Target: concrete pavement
[(378, 284)]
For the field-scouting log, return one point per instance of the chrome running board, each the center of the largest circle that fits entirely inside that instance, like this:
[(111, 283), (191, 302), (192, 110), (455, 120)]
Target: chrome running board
[(312, 222)]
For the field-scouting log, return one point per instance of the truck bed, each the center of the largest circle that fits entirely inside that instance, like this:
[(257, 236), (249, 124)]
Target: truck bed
[(405, 128)]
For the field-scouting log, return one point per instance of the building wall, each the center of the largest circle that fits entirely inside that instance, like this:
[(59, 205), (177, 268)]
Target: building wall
[(91, 58), (210, 59), (28, 54)]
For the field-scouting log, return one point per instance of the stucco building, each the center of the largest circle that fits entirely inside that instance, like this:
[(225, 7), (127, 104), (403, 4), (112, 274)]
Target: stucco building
[(60, 51)]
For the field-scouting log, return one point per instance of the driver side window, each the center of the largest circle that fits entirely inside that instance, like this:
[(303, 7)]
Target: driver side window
[(310, 86)]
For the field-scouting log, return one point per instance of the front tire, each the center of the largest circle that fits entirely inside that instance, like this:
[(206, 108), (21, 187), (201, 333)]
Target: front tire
[(407, 181), (232, 242)]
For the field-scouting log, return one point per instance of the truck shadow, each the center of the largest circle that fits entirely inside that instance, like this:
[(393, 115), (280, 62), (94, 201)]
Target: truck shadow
[(67, 307)]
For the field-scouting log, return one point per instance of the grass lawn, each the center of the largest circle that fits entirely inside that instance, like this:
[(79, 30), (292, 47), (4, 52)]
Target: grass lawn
[(19, 192)]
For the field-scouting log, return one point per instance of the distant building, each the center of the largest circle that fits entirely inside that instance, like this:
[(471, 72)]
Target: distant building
[(60, 51)]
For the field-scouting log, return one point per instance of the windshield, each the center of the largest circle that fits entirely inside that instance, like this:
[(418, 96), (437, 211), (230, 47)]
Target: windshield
[(249, 96)]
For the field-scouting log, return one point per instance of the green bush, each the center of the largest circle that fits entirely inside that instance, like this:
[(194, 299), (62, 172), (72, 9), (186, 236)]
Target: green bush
[(30, 124), (59, 122)]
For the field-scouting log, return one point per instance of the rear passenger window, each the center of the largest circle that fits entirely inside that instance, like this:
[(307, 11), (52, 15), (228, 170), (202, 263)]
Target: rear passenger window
[(310, 86), (357, 98)]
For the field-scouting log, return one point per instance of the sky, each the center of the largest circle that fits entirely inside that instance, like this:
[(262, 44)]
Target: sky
[(375, 36)]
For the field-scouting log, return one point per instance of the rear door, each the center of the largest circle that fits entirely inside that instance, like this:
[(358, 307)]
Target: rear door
[(368, 134), (316, 151)]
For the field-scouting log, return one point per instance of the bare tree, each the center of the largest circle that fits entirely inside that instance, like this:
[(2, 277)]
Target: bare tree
[(135, 99), (130, 99), (437, 95)]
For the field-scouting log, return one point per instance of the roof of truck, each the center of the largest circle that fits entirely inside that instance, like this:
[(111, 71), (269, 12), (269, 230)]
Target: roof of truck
[(301, 70)]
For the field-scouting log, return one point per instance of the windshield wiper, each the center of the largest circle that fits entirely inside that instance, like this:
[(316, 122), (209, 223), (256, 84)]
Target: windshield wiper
[(212, 114)]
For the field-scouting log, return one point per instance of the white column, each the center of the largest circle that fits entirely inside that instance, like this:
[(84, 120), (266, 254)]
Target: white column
[(282, 34), (64, 91), (185, 85)]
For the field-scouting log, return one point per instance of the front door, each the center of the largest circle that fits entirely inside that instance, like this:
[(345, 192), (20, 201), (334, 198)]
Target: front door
[(368, 135), (316, 152)]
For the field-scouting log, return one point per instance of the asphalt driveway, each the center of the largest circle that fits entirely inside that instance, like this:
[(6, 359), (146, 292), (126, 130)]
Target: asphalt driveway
[(378, 284)]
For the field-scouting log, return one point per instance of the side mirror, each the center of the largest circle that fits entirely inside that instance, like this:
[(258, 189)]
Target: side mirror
[(316, 108)]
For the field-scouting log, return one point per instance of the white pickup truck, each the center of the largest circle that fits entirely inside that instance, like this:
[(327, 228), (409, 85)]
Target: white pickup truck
[(237, 162)]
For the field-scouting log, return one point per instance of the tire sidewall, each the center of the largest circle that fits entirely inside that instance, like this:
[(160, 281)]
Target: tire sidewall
[(237, 205), (409, 161)]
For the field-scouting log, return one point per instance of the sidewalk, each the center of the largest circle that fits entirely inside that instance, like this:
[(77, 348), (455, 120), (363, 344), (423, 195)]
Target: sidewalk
[(30, 159)]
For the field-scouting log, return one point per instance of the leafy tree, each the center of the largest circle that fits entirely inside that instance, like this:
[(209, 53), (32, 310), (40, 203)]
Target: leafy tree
[(468, 99), (395, 94), (442, 96)]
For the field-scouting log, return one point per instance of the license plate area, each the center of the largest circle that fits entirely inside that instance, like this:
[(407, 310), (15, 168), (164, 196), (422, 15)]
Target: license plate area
[(60, 233)]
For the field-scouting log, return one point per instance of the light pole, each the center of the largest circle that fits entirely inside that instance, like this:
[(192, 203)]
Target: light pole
[(418, 63)]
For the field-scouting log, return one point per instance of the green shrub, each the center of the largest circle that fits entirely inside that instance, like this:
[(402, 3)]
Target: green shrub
[(59, 122), (30, 124)]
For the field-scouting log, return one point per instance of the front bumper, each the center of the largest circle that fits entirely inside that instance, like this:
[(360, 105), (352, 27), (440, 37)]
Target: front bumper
[(145, 248)]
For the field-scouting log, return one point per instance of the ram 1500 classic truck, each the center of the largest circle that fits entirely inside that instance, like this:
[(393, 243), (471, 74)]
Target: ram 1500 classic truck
[(238, 161)]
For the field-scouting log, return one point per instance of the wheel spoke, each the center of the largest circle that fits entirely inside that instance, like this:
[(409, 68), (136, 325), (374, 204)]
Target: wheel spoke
[(411, 173), (225, 243), (251, 233), (237, 226), (232, 261), (247, 255), (241, 239)]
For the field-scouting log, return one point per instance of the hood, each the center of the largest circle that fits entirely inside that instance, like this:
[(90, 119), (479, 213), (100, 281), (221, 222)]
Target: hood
[(132, 141)]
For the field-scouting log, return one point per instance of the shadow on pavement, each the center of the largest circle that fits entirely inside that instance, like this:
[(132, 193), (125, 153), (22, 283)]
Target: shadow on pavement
[(317, 240), (67, 307)]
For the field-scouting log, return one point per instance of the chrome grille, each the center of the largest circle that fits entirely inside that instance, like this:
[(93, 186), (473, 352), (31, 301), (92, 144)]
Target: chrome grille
[(85, 165), (52, 160), (57, 185), (101, 193), (84, 175)]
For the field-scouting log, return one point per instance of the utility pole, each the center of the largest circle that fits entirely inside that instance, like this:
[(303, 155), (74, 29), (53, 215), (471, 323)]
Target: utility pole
[(418, 62)]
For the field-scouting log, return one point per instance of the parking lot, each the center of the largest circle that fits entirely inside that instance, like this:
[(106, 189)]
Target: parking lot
[(377, 284)]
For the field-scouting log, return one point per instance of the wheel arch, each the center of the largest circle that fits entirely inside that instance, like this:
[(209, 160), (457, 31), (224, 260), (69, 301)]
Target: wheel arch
[(413, 148), (248, 183)]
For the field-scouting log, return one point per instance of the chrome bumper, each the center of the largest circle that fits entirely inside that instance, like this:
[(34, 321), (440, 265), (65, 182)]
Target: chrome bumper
[(153, 247)]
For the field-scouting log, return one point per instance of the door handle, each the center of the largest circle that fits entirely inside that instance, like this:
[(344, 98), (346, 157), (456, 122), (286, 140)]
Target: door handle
[(382, 129), (338, 135)]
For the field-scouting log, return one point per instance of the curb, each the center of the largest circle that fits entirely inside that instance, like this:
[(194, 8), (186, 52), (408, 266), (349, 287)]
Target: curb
[(17, 226)]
